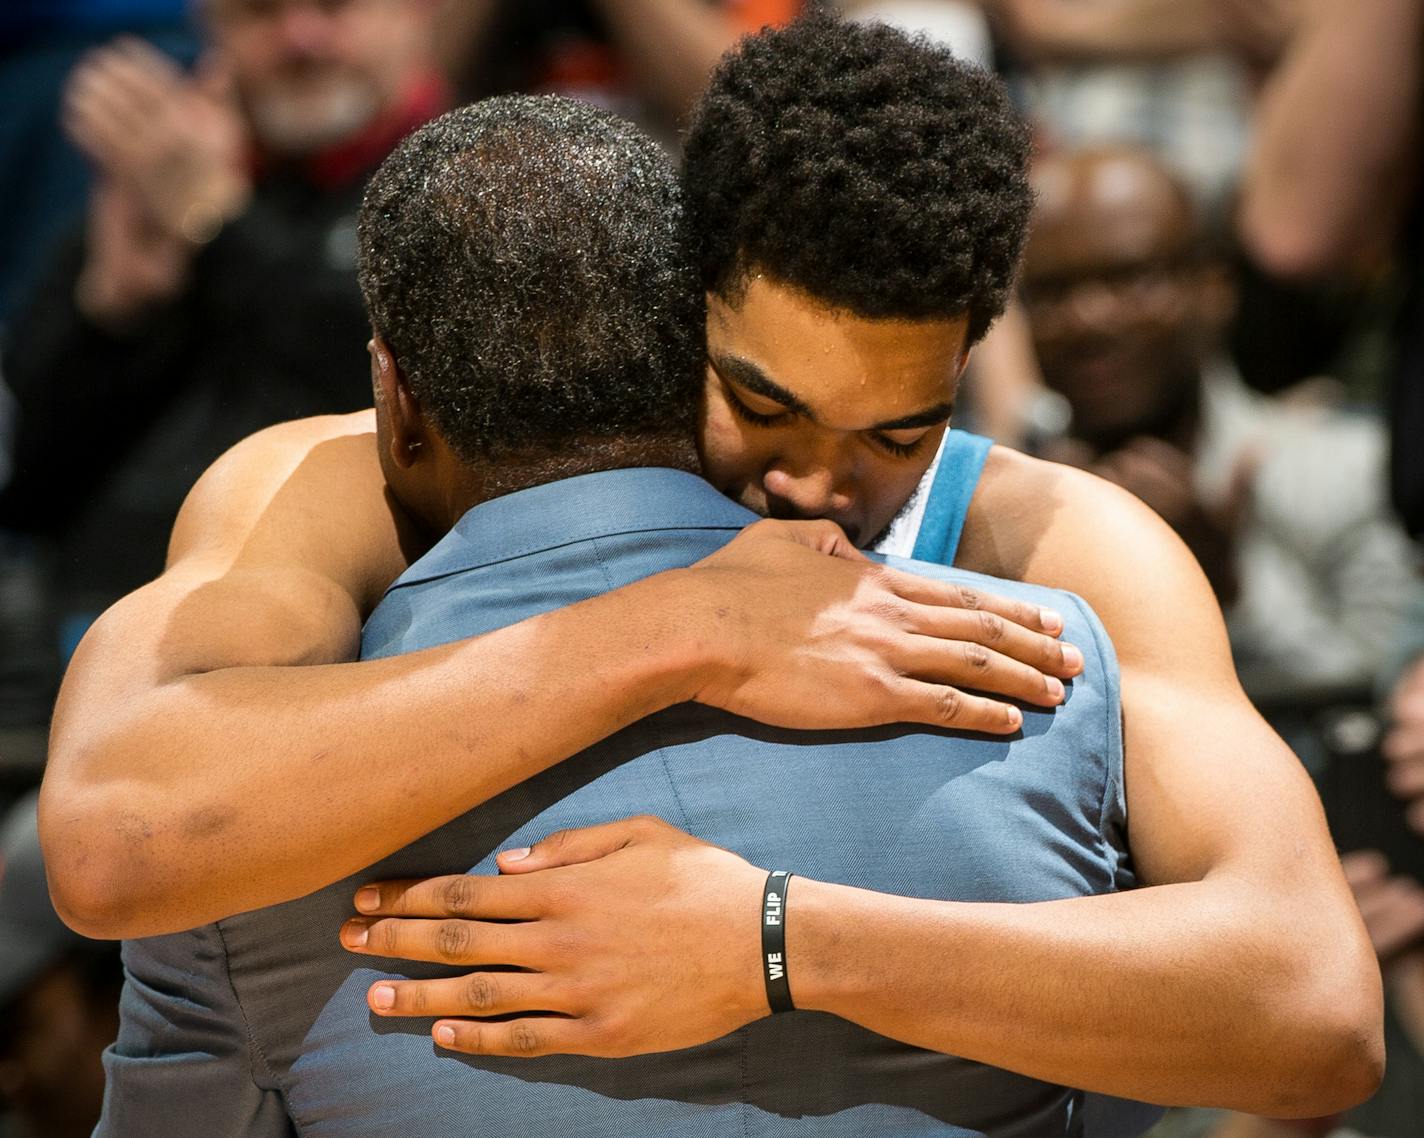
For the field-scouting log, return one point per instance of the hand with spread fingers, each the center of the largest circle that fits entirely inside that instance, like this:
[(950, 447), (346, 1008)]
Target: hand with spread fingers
[(170, 152), (893, 646), (634, 938)]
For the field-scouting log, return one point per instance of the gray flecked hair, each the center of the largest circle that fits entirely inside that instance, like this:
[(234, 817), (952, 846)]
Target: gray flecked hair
[(526, 260)]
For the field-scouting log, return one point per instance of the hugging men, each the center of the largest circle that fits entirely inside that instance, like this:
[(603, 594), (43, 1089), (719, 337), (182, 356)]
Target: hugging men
[(859, 204)]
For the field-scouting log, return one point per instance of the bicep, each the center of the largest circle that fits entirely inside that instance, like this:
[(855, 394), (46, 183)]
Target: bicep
[(278, 553), (1210, 786)]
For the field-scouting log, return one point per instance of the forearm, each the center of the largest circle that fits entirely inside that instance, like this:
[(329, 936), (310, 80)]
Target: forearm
[(220, 792), (1191, 993), (672, 44), (1335, 139), (1124, 29)]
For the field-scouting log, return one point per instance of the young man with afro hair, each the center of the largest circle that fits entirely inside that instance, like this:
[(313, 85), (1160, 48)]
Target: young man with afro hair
[(193, 776)]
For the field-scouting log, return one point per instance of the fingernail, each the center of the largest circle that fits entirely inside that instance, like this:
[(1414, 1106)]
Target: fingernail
[(368, 900), (1015, 717), (1072, 658), (1050, 620), (384, 997), (353, 934), (516, 855), (445, 1036), (1054, 686)]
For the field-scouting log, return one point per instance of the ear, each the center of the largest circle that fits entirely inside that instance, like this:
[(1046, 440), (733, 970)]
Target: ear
[(400, 408)]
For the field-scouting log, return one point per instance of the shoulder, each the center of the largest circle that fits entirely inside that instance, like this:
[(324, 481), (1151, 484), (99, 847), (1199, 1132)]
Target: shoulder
[(303, 496), (1054, 525)]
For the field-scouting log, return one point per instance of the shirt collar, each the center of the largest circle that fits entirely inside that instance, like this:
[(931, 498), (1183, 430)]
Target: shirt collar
[(541, 518)]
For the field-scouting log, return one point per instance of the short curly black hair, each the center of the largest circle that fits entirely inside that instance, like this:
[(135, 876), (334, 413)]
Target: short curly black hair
[(527, 260), (865, 167)]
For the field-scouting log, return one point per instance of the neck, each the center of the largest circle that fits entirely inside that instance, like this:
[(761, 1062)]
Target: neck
[(508, 473)]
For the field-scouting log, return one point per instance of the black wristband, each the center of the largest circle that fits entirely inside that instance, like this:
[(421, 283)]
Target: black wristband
[(773, 941)]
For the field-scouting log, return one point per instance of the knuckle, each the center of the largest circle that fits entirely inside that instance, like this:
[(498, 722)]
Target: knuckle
[(565, 944), (416, 998), (471, 1038), (648, 825), (556, 841), (968, 598), (386, 936), (524, 1039), (888, 609), (457, 896), (481, 995), (976, 656), (559, 895), (991, 627), (951, 705), (452, 940)]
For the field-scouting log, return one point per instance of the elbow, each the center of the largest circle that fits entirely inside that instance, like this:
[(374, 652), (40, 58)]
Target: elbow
[(87, 895), (93, 882), (1339, 1059), (1344, 1072)]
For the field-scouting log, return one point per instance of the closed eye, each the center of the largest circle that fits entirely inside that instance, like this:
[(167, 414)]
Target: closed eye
[(746, 414), (898, 449)]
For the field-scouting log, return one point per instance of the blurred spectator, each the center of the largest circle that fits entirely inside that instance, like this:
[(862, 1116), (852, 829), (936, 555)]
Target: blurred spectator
[(1126, 316), (958, 24), (213, 289), (43, 180), (1333, 188), (646, 60), (58, 999), (1404, 743), (1170, 75)]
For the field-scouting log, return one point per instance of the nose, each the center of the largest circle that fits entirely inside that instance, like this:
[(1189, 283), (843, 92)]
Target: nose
[(305, 28), (808, 486), (1096, 305)]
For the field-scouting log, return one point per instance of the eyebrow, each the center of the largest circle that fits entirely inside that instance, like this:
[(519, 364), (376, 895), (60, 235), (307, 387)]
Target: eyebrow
[(748, 375)]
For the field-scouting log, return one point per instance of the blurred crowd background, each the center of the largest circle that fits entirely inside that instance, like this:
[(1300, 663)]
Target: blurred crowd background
[(1222, 310)]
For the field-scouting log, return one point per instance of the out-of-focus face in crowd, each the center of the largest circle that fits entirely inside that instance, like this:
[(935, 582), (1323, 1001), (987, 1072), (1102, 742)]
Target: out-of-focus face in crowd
[(310, 73), (1121, 305)]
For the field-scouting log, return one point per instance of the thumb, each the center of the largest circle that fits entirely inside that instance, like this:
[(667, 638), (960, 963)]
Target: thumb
[(572, 847)]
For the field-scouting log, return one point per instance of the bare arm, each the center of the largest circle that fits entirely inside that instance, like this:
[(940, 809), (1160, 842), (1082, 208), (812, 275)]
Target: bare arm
[(211, 747), (1068, 30), (1336, 139), (1240, 975)]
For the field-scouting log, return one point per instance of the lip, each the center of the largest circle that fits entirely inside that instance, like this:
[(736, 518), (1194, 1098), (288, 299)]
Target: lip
[(755, 499)]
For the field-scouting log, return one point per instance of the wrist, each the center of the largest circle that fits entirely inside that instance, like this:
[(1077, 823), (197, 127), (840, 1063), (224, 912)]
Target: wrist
[(675, 641), (702, 642), (199, 220), (817, 916)]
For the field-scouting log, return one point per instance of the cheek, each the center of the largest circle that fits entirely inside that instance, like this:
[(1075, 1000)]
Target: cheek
[(885, 487), (730, 457)]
